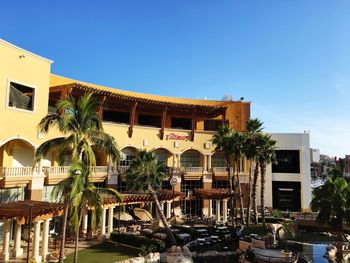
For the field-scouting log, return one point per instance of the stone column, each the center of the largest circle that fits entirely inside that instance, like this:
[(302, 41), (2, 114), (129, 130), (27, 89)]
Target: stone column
[(209, 163), (5, 255), (205, 164), (210, 208), (224, 208), (168, 209), (45, 239), (162, 206), (218, 214), (103, 224), (174, 160), (110, 220), (18, 251), (36, 241), (85, 222)]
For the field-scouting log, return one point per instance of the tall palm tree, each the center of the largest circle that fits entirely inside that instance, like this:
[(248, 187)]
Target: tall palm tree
[(85, 195), (266, 156), (146, 174), (254, 127), (332, 201), (223, 141), (237, 153), (81, 124)]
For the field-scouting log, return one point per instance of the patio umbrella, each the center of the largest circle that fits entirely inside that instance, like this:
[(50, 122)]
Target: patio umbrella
[(143, 214), (123, 216)]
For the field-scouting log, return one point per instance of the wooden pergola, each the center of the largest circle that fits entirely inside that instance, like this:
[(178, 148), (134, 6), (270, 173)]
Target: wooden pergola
[(214, 193), (141, 197), (21, 210)]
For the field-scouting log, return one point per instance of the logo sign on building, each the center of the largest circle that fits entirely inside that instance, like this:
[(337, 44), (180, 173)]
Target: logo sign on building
[(173, 136), (173, 181)]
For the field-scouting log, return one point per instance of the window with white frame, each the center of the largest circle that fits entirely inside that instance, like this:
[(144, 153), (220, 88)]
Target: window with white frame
[(190, 158), (21, 96)]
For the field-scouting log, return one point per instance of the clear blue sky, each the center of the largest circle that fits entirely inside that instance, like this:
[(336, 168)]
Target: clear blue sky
[(290, 58)]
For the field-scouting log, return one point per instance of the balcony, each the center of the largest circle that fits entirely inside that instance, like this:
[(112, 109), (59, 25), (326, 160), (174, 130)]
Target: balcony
[(220, 173), (15, 176), (192, 173), (55, 174)]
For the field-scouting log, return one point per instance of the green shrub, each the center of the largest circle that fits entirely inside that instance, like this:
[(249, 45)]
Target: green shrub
[(137, 241), (193, 232)]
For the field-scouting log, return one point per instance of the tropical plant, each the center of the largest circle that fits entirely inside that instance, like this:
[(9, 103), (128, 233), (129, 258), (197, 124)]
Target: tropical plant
[(250, 148), (84, 195), (80, 122), (237, 153), (332, 201), (223, 141), (146, 174), (266, 156), (286, 232)]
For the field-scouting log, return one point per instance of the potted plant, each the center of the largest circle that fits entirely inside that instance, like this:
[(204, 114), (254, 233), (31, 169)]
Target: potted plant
[(286, 231)]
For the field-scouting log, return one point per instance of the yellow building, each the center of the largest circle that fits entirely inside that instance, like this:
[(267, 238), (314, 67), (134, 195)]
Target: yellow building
[(180, 130)]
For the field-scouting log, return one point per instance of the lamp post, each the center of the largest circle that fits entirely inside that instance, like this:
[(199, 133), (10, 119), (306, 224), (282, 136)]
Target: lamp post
[(29, 229)]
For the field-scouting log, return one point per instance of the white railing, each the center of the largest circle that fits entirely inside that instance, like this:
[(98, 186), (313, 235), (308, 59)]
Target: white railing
[(222, 170), (16, 171), (192, 169), (56, 170), (100, 169)]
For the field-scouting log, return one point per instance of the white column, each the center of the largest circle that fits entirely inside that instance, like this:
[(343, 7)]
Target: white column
[(85, 222), (224, 207), (5, 255), (162, 206), (110, 220), (205, 164), (36, 241), (174, 160), (168, 209), (210, 208), (103, 223), (209, 162), (45, 239), (18, 251), (218, 214)]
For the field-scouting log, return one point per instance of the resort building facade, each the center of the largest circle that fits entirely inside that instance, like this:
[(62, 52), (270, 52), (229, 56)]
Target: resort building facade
[(179, 130)]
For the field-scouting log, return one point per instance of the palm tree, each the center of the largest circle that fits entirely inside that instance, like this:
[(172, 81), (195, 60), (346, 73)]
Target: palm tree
[(266, 156), (146, 174), (237, 151), (84, 195), (254, 127), (223, 141), (332, 201), (81, 123)]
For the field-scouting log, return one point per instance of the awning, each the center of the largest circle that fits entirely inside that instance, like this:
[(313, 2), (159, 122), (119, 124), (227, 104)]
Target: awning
[(214, 193)]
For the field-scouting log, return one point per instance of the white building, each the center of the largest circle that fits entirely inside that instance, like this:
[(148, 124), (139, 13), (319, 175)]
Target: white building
[(288, 183)]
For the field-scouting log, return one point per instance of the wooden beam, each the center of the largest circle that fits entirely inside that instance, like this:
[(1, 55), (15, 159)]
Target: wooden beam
[(194, 121), (163, 123), (132, 118), (224, 117)]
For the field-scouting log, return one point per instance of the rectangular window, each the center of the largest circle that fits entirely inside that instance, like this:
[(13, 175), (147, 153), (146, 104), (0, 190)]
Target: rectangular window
[(288, 161), (181, 123), (212, 125), (21, 96), (116, 116), (149, 120)]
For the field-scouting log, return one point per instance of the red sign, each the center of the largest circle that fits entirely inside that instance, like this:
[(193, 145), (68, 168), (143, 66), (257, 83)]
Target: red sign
[(173, 136)]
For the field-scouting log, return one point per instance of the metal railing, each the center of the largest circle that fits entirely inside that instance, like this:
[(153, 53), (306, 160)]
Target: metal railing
[(16, 171), (100, 169), (55, 170), (221, 169)]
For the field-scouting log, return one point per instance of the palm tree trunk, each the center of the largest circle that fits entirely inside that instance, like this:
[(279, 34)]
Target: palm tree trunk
[(239, 192), (64, 228), (262, 192), (249, 193), (254, 189), (162, 217), (76, 244), (232, 214)]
